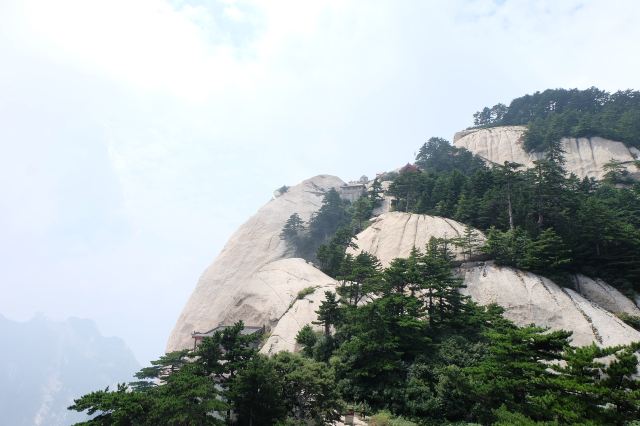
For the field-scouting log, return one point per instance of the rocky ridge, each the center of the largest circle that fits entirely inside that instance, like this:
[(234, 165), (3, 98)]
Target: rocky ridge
[(249, 280), (255, 280), (395, 234), (526, 297), (584, 156)]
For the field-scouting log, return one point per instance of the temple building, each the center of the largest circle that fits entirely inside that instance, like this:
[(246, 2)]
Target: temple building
[(247, 330)]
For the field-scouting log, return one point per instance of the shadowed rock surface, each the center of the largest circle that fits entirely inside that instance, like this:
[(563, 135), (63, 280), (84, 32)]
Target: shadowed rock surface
[(604, 295)]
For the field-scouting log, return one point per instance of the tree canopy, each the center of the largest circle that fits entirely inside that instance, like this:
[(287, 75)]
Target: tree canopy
[(554, 113)]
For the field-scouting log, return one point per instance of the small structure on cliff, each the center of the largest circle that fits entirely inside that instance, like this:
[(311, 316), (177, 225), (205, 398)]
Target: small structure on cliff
[(352, 191), (247, 330)]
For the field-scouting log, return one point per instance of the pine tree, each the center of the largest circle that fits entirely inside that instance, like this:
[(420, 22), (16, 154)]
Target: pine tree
[(358, 277), (508, 177), (375, 193), (257, 394), (547, 253), (361, 210), (515, 373), (549, 183), (469, 242), (293, 231), (328, 312), (307, 338)]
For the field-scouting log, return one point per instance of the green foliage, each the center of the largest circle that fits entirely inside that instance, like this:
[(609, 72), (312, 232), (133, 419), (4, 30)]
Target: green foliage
[(507, 247), (515, 370), (305, 292), (505, 417), (332, 254), (402, 341), (358, 276), (360, 211), (328, 312), (555, 113), (616, 173), (375, 193), (533, 216), (437, 156), (632, 320), (332, 215), (293, 232), (187, 396), (546, 253), (469, 242), (330, 230), (417, 350), (489, 116), (385, 418), (307, 338), (309, 391), (186, 387), (257, 394), (163, 367)]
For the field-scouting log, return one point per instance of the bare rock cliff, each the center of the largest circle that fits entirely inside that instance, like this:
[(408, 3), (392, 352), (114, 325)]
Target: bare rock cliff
[(605, 296), (301, 312), (531, 299), (394, 234), (526, 297), (251, 280), (584, 156), (254, 280)]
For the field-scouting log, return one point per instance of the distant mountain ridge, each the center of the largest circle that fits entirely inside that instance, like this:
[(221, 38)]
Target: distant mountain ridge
[(45, 364)]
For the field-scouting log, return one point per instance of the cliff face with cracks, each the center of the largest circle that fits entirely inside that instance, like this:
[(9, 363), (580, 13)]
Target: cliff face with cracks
[(532, 299), (251, 280), (394, 234), (526, 297), (584, 156)]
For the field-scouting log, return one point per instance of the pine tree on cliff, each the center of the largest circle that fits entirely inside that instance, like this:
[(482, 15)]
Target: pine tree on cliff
[(508, 177), (374, 193), (549, 184), (293, 232), (328, 312)]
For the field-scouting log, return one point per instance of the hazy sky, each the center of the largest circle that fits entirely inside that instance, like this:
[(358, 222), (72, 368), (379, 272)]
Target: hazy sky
[(136, 135)]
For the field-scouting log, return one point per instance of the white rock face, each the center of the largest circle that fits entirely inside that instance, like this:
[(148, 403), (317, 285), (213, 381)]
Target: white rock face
[(394, 234), (249, 281), (605, 296), (531, 299), (526, 297), (584, 156), (301, 313)]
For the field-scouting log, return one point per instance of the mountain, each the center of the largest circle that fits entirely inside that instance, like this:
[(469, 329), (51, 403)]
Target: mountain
[(585, 157), (255, 279), (249, 281), (46, 364)]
